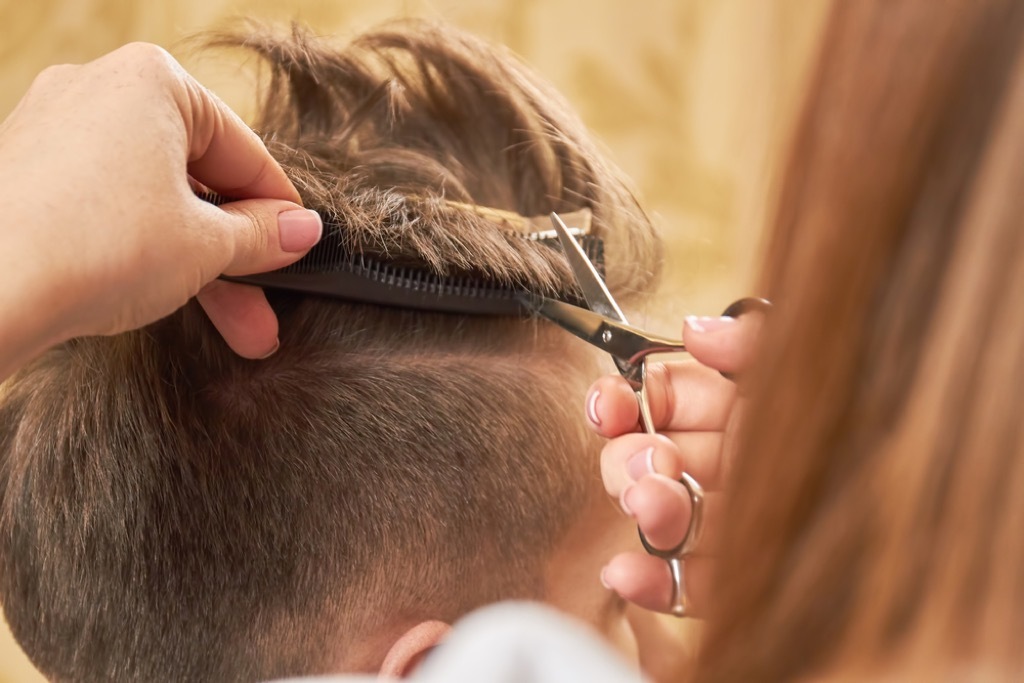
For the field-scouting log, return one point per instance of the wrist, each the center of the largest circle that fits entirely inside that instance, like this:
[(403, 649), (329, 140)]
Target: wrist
[(31, 313), (25, 331)]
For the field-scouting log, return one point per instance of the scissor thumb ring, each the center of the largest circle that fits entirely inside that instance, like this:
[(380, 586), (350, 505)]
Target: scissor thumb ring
[(678, 602)]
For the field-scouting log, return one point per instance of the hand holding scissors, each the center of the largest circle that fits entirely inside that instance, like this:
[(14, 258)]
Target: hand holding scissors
[(605, 327)]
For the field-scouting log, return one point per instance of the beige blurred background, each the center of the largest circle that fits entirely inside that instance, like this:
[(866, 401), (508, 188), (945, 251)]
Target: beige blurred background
[(693, 98)]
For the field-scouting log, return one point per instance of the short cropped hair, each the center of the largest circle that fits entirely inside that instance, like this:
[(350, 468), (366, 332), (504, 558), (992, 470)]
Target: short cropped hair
[(170, 511)]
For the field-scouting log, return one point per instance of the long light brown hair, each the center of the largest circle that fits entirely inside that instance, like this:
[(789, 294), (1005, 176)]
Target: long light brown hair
[(877, 524)]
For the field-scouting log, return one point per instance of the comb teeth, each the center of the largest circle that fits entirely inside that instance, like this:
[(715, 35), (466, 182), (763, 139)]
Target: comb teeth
[(331, 270), (328, 256)]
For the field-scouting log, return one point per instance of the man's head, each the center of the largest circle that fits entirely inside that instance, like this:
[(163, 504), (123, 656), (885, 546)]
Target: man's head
[(171, 511)]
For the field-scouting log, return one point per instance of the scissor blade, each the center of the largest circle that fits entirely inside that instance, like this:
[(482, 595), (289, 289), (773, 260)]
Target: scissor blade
[(627, 345), (587, 325), (594, 290)]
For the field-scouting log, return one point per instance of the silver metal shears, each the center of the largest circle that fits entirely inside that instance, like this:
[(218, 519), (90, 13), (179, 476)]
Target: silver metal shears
[(605, 327)]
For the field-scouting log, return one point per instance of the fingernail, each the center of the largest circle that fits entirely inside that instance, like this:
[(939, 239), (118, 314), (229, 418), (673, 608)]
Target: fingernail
[(604, 579), (299, 229), (273, 350), (592, 408), (707, 323), (622, 500), (640, 463)]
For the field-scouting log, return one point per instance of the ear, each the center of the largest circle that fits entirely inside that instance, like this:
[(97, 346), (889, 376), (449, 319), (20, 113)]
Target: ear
[(411, 647)]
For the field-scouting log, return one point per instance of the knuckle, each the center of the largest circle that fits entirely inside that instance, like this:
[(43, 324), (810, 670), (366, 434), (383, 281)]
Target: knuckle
[(666, 458), (56, 73), (254, 233), (140, 52), (207, 241), (53, 78), (151, 61)]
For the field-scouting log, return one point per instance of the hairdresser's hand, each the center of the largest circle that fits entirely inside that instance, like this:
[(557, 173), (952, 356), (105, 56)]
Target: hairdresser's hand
[(693, 407), (102, 232)]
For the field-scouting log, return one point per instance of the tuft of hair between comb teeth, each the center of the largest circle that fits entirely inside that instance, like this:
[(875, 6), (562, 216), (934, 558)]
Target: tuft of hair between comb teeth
[(331, 270)]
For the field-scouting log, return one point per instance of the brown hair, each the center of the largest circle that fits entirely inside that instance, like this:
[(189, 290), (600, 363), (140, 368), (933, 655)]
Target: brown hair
[(173, 512), (877, 503)]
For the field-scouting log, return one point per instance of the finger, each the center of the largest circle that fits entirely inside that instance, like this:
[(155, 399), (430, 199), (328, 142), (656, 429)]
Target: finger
[(683, 396), (629, 458), (626, 459), (664, 518), (661, 507), (702, 455), (725, 344), (688, 396), (243, 317), (261, 235), (646, 581), (611, 407), (225, 154)]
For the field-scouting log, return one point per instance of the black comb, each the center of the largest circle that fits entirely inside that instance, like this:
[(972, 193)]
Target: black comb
[(330, 270)]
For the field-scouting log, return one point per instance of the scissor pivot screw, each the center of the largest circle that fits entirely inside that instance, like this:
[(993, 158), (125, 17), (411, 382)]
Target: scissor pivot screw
[(606, 336)]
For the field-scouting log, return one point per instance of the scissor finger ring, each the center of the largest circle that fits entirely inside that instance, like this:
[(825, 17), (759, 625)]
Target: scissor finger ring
[(678, 603), (693, 530), (738, 308)]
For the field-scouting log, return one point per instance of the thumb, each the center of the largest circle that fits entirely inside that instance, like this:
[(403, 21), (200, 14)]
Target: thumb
[(266, 234), (261, 235)]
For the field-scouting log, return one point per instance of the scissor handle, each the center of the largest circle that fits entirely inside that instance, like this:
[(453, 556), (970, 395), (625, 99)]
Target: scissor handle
[(746, 305), (693, 488), (738, 308), (633, 367)]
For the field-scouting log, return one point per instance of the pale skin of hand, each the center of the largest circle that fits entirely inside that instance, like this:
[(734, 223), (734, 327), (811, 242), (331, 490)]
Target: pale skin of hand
[(694, 409), (102, 232)]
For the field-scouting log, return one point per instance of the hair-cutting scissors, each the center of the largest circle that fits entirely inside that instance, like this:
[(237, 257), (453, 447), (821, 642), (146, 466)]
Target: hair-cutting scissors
[(605, 327)]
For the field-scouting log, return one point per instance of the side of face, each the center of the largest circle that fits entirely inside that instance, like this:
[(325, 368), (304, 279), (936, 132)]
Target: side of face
[(662, 645), (573, 574), (599, 531)]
